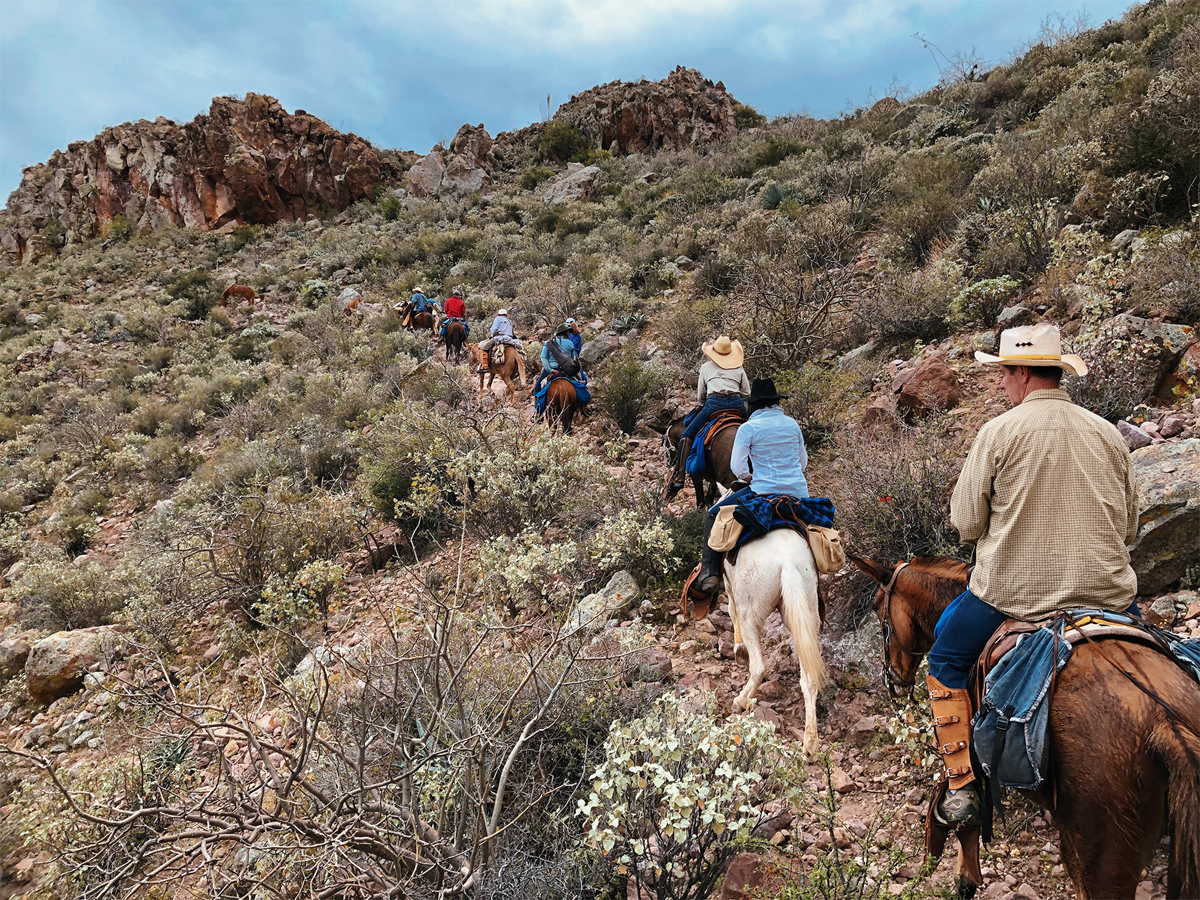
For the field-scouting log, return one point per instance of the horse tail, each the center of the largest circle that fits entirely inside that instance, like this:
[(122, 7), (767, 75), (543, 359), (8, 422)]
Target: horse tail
[(1177, 747), (520, 355), (801, 614)]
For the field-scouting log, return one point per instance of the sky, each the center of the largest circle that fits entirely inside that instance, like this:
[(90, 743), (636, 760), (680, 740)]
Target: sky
[(407, 74)]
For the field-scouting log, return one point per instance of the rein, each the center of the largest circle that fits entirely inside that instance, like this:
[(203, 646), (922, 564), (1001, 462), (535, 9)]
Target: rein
[(888, 631)]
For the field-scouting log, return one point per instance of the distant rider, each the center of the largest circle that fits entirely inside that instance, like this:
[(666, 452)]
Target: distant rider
[(501, 333), (454, 308), (576, 336)]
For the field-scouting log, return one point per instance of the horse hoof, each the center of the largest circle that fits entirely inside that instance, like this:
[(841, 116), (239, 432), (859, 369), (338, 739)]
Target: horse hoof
[(966, 887), (811, 745)]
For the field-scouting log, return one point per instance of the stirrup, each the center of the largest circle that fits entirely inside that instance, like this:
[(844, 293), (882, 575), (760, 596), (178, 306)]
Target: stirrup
[(960, 807)]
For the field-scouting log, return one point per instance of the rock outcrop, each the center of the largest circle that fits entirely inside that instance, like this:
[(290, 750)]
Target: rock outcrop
[(57, 664), (247, 161), (1168, 541), (577, 184), (593, 610), (469, 169), (682, 110)]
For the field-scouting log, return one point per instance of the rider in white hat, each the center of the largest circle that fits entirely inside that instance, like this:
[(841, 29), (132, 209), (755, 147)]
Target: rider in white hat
[(722, 384), (1048, 499), (501, 332)]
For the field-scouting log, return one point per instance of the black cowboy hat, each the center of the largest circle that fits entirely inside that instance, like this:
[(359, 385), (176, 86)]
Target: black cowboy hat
[(764, 389)]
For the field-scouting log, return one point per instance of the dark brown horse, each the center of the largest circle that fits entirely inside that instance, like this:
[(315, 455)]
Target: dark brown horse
[(717, 472), (562, 402), (416, 321), (456, 336), (1124, 744)]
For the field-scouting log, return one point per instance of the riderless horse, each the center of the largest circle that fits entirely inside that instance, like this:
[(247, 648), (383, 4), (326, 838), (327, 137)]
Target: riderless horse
[(456, 337), (1124, 743)]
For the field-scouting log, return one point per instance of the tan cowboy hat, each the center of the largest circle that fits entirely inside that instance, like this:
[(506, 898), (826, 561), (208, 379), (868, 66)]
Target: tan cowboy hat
[(725, 353), (502, 312), (1034, 345)]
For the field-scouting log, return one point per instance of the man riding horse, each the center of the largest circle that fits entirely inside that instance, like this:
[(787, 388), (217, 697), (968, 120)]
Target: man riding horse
[(454, 308), (768, 455), (721, 384), (501, 333), (1048, 499)]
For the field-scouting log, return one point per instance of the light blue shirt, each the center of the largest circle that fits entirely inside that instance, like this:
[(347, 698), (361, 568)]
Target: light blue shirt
[(564, 344), (773, 442), (502, 326)]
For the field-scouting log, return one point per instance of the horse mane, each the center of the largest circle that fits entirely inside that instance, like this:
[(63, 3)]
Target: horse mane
[(930, 578)]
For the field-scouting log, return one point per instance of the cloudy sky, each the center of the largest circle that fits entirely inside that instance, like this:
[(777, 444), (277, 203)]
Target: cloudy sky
[(407, 74)]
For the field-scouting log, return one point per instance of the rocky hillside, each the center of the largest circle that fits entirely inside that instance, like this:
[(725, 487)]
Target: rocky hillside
[(291, 607), (246, 162)]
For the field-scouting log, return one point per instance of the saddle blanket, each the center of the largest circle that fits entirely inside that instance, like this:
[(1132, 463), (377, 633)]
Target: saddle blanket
[(761, 513), (697, 460), (1018, 695), (465, 324), (581, 391)]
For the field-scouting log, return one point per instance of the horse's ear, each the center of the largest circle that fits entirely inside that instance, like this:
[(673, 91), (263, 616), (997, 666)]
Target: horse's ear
[(873, 569)]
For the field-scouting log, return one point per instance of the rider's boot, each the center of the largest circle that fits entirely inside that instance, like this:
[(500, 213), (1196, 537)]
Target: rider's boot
[(961, 804), (709, 579)]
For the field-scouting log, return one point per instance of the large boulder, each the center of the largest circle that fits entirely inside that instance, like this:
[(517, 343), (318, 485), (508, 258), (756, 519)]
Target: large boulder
[(13, 654), (246, 161), (464, 176), (425, 177), (595, 609), (1132, 356), (682, 110), (576, 184), (598, 349), (1168, 540), (57, 665), (931, 385)]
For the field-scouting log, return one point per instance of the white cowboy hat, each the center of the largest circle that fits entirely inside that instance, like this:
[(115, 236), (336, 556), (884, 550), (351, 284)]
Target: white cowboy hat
[(725, 353), (1034, 345), (502, 312)]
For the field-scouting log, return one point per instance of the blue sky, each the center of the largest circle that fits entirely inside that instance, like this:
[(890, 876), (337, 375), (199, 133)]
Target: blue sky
[(408, 74)]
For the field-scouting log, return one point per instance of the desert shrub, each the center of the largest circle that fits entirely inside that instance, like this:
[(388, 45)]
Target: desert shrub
[(892, 491), (243, 234), (289, 599), (687, 532), (678, 795), (562, 142), (1124, 370), (119, 229), (535, 175), (195, 289), (817, 398), (770, 152), (314, 292), (930, 192), (1167, 277), (746, 116), (59, 596), (905, 306), (716, 276), (983, 301), (75, 529), (390, 208), (629, 386), (167, 460)]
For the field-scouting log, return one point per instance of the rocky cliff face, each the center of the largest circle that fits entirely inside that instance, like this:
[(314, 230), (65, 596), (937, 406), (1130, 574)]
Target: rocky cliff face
[(247, 161), (684, 109)]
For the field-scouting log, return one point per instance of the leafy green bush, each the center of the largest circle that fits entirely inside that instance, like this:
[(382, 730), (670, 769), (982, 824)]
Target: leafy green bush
[(76, 531), (746, 116), (196, 290), (243, 234), (903, 306), (119, 229), (562, 142), (770, 152), (678, 795), (983, 301), (390, 208), (629, 386), (59, 596)]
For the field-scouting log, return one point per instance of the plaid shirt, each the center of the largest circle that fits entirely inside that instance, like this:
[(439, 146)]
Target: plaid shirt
[(1047, 496)]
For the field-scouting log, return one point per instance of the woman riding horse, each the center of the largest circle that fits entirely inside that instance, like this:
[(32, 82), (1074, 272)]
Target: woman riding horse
[(721, 385)]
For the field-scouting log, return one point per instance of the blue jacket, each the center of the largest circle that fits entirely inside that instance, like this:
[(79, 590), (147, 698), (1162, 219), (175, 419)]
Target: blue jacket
[(548, 361), (420, 303), (576, 342)]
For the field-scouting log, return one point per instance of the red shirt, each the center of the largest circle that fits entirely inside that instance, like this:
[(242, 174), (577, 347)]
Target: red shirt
[(455, 308)]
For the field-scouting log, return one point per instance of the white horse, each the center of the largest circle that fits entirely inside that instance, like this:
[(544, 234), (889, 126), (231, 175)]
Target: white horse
[(778, 570)]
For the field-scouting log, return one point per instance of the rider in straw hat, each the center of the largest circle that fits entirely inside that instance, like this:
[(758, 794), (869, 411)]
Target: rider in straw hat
[(1048, 499), (722, 385)]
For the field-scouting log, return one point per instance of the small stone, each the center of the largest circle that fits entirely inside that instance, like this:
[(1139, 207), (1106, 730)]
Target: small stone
[(842, 782), (1134, 437), (842, 838), (1026, 892), (687, 647)]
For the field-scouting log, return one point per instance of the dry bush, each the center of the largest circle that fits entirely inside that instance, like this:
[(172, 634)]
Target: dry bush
[(903, 306)]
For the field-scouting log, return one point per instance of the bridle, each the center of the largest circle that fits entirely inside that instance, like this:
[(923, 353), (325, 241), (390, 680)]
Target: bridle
[(889, 632)]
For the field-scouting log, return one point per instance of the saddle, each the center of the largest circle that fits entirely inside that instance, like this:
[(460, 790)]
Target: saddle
[(497, 354)]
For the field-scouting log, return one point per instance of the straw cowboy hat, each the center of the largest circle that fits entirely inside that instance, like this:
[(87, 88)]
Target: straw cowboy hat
[(502, 312), (1034, 345), (725, 353)]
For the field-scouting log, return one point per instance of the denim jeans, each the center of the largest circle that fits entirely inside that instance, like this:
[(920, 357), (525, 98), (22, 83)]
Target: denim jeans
[(961, 633), (711, 407)]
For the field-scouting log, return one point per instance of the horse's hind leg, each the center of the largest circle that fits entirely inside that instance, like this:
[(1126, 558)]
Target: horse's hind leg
[(749, 623)]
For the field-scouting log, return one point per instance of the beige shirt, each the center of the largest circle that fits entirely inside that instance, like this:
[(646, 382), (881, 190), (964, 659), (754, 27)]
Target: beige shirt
[(715, 380), (1048, 498)]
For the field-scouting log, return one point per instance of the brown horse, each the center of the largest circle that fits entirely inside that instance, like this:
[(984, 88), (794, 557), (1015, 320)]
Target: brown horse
[(456, 336), (239, 292), (716, 473), (562, 401), (514, 363), (421, 321), (1124, 744)]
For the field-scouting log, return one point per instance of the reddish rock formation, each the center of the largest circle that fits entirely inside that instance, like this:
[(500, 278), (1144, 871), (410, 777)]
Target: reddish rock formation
[(684, 109), (247, 161), (931, 385)]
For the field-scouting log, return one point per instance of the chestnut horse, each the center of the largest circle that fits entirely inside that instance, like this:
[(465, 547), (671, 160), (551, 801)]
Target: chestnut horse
[(239, 291), (1124, 744), (717, 472), (562, 401), (514, 363), (415, 321), (456, 336)]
